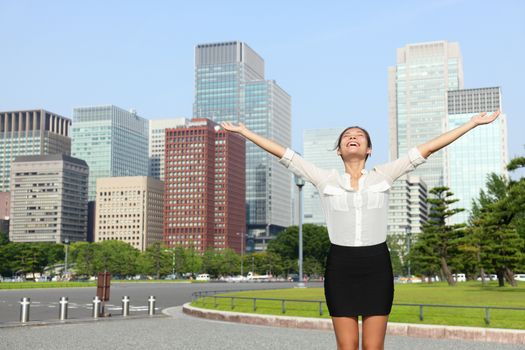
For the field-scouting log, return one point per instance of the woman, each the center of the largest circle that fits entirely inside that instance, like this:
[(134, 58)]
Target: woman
[(358, 276)]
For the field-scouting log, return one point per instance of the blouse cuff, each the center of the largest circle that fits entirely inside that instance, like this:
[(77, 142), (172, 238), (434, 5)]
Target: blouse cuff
[(287, 157), (415, 157)]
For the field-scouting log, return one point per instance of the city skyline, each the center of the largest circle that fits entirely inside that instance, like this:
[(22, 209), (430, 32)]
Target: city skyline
[(145, 61)]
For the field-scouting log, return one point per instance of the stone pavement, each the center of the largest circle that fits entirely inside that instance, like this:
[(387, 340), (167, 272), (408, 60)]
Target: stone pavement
[(176, 330)]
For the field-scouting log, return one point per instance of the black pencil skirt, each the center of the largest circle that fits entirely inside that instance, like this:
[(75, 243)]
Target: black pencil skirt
[(359, 281)]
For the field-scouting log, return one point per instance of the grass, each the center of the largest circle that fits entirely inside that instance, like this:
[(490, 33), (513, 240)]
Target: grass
[(65, 284), (148, 281), (465, 294), (30, 285)]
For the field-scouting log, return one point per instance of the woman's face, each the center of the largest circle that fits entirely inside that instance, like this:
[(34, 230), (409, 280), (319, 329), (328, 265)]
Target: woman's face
[(354, 144)]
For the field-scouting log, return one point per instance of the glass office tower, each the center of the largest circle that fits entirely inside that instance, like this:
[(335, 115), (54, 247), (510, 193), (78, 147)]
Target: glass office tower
[(112, 141), (478, 153), (230, 86), (318, 147), (418, 86)]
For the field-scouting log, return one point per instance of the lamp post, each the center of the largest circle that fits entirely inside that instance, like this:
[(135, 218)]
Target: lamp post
[(172, 250), (242, 252), (173, 262), (66, 243), (408, 237), (299, 182)]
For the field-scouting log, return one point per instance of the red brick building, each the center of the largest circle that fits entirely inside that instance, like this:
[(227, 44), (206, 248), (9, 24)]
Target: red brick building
[(204, 187)]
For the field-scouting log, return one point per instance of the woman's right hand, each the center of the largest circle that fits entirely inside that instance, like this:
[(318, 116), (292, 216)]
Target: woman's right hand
[(239, 128)]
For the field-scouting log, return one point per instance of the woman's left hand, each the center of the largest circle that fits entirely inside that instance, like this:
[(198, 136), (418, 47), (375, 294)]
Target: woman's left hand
[(483, 118)]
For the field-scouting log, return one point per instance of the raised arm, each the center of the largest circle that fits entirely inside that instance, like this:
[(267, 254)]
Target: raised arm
[(447, 138), (266, 144), (294, 162)]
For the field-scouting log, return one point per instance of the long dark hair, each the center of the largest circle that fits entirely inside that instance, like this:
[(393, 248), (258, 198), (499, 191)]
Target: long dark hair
[(368, 139)]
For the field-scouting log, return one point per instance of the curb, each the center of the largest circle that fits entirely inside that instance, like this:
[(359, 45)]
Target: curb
[(493, 335)]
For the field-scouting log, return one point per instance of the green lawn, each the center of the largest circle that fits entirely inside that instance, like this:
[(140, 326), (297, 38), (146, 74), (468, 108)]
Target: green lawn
[(64, 284), (470, 294), (30, 285)]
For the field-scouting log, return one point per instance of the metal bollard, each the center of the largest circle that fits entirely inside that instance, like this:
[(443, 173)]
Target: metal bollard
[(125, 305), (62, 312), (151, 305), (96, 307), (24, 309)]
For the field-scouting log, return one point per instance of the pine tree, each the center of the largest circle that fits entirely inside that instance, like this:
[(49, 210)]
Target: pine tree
[(437, 246), (495, 217)]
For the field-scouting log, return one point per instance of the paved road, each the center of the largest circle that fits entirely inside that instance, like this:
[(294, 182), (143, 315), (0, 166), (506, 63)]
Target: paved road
[(180, 331), (44, 302)]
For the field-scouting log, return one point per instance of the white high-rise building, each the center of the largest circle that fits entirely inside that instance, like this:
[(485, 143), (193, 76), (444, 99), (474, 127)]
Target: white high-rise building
[(417, 89), (318, 147), (156, 144), (407, 210), (478, 153), (417, 101)]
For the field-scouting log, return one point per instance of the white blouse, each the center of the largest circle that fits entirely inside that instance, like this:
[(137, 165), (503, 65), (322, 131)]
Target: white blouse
[(354, 218)]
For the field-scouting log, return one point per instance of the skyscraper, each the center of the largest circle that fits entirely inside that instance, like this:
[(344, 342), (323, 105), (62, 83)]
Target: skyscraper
[(230, 86), (417, 88), (156, 144), (31, 132), (407, 208), (129, 209), (204, 187), (318, 146), (478, 153), (48, 199), (112, 141)]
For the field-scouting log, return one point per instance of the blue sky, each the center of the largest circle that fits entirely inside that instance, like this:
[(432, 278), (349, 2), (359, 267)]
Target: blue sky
[(330, 56)]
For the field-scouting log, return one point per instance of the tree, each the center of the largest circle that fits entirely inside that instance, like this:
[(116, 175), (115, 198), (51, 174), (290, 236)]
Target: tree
[(116, 257), (494, 217), (438, 241), (212, 261), (231, 264), (155, 260), (83, 254), (398, 253), (265, 263), (315, 245)]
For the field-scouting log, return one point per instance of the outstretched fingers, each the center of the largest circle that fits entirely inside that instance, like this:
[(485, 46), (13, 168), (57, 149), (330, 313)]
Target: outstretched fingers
[(483, 118)]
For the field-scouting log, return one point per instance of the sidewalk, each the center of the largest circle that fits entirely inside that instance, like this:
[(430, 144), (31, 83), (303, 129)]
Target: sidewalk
[(175, 330)]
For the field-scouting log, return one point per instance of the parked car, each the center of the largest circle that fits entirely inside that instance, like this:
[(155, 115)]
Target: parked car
[(490, 277), (459, 277), (519, 277), (203, 277), (43, 279)]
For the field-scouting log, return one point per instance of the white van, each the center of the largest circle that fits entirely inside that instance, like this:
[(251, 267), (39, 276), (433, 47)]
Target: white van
[(459, 277), (203, 277), (519, 277)]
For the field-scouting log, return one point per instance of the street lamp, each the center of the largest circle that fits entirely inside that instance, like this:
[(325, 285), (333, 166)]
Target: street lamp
[(242, 251), (66, 243), (173, 262), (408, 236), (299, 182), (172, 250)]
